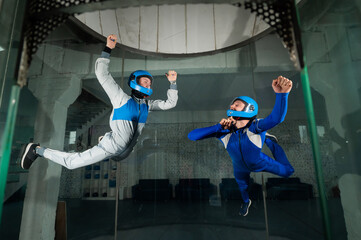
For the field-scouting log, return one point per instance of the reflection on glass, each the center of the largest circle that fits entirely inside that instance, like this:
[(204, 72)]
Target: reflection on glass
[(172, 187)]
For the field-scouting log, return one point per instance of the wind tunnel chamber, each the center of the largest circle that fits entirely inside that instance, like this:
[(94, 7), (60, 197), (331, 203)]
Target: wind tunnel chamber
[(170, 186)]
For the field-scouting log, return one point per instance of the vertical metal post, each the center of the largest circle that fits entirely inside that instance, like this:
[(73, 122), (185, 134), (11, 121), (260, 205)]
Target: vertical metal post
[(316, 151), (313, 135)]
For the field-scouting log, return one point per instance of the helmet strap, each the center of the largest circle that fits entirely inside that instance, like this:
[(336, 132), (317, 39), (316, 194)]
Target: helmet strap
[(243, 118), (250, 121), (138, 94)]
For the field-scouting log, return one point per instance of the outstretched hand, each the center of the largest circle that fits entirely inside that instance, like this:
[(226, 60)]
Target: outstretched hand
[(227, 123), (282, 85), (171, 75), (111, 41)]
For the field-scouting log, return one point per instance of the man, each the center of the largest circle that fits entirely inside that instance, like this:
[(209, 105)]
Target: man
[(243, 136), (126, 121)]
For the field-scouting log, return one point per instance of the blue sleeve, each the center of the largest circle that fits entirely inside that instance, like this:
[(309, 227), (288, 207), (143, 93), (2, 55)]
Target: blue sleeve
[(277, 115), (207, 132), (105, 55)]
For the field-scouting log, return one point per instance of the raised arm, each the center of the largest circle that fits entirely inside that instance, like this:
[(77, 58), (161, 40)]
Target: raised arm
[(172, 95), (112, 89), (217, 131), (281, 86)]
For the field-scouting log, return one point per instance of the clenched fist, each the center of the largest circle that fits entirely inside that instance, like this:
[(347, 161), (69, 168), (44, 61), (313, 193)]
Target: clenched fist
[(111, 41), (227, 123), (282, 85), (171, 75)]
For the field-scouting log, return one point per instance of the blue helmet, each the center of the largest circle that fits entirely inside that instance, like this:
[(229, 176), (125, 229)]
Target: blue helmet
[(133, 81), (249, 111)]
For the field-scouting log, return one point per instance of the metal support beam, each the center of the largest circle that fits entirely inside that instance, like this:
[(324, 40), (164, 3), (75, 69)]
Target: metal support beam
[(113, 4)]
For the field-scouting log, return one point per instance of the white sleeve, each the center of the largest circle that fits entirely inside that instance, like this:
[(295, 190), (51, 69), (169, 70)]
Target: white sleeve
[(112, 89), (171, 102)]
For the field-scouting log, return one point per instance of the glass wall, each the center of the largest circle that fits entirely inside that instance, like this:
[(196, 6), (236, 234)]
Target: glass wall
[(333, 56), (11, 22), (172, 187), (8, 10), (195, 194)]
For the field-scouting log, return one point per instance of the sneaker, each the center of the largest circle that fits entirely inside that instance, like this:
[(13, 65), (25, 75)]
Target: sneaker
[(244, 208), (271, 137), (29, 155), (100, 138)]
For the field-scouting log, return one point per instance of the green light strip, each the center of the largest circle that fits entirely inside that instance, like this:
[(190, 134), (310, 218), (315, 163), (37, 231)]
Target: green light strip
[(7, 140), (316, 151)]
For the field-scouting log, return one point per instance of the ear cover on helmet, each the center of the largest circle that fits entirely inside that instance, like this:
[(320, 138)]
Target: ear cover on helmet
[(133, 81), (249, 111)]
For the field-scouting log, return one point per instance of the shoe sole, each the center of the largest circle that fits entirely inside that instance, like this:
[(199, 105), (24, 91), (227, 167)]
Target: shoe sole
[(250, 202), (24, 154)]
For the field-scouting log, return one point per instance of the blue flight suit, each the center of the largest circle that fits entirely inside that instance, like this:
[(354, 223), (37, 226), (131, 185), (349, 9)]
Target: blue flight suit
[(244, 146)]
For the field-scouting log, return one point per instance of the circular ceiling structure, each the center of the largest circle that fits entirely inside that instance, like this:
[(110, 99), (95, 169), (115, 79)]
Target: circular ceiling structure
[(177, 29)]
